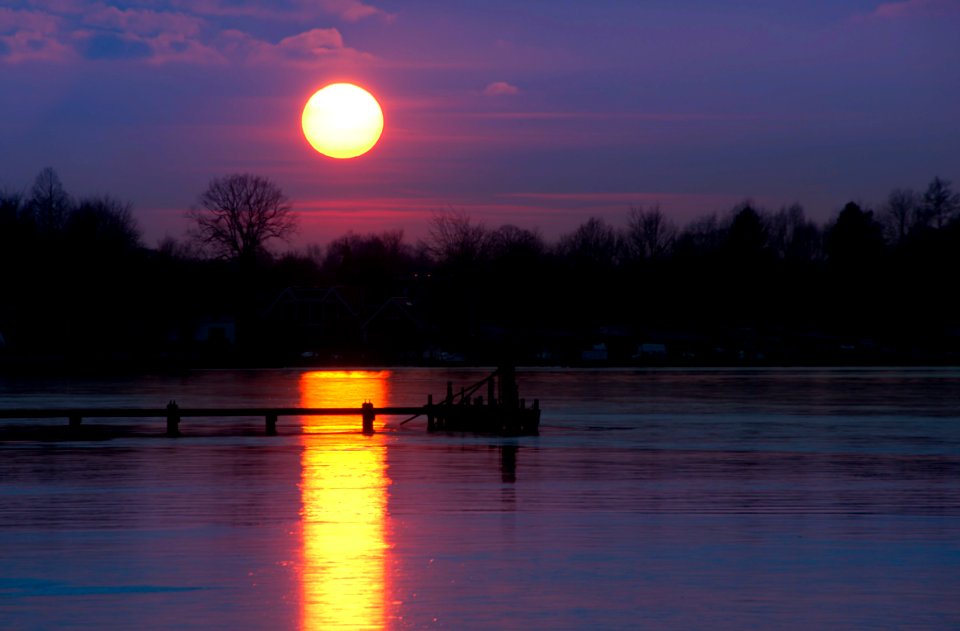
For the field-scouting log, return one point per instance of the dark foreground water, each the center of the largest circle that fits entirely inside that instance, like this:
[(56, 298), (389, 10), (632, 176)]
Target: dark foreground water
[(770, 499)]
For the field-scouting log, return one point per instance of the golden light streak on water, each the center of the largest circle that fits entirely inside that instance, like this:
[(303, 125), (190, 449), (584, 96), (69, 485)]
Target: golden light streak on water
[(343, 492)]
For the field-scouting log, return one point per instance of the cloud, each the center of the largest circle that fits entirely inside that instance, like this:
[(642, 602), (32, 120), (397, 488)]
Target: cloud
[(143, 34), (354, 10), (112, 46), (143, 22), (14, 20), (500, 88), (308, 48), (318, 41), (912, 8), (30, 36), (348, 10), (172, 31)]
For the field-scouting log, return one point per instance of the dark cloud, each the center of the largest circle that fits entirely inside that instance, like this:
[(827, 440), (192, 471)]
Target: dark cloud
[(111, 46)]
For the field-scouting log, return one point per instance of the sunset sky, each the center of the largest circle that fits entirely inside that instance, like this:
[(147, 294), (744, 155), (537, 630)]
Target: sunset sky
[(537, 113)]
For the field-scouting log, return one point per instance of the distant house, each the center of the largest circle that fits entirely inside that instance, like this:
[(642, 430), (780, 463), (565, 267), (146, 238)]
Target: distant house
[(651, 350), (200, 337), (308, 318), (215, 331), (596, 353), (395, 330)]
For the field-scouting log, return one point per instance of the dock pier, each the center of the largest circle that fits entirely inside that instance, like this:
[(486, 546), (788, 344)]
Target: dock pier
[(173, 414), (503, 412)]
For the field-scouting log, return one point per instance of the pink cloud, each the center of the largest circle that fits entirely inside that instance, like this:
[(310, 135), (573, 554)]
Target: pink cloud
[(15, 21), (910, 8), (316, 41), (26, 46), (30, 36), (143, 21), (220, 8), (354, 10), (348, 10), (606, 116), (554, 213), (500, 88), (171, 48), (61, 7), (315, 45)]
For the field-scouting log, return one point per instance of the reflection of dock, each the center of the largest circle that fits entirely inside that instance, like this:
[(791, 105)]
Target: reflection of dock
[(503, 412)]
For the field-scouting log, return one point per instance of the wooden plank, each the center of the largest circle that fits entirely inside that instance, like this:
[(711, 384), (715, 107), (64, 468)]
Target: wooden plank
[(36, 413)]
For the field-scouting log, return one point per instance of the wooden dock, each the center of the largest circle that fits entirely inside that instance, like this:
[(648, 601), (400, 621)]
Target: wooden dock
[(501, 413), (173, 414)]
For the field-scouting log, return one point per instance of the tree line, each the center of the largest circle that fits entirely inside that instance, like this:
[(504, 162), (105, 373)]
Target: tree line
[(745, 285)]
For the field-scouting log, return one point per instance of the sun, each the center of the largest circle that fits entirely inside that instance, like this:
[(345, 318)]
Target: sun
[(342, 120)]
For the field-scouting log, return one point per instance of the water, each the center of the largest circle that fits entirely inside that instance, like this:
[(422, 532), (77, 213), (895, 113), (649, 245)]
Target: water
[(721, 499)]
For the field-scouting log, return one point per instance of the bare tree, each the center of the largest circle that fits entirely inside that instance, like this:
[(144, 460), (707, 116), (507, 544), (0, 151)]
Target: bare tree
[(239, 214), (104, 222), (899, 214), (650, 234), (11, 205), (703, 235), (594, 243), (49, 203), (940, 203), (792, 236), (510, 241), (454, 238)]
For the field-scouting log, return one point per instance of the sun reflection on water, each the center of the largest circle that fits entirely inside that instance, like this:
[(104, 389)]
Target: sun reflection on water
[(344, 502)]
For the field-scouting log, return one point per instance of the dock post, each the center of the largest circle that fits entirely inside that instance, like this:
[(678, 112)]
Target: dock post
[(449, 392), (368, 417), (173, 419), (534, 426), (75, 420), (431, 423), (271, 424), (491, 391)]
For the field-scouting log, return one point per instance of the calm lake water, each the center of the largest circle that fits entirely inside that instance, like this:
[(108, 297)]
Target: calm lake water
[(669, 499)]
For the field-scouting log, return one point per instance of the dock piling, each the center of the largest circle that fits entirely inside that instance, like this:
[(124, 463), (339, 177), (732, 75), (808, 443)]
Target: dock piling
[(173, 419), (368, 416), (431, 423)]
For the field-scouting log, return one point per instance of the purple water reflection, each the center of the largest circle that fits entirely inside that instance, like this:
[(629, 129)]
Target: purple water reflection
[(669, 499)]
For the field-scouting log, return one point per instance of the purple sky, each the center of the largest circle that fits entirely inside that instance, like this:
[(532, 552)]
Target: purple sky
[(537, 113)]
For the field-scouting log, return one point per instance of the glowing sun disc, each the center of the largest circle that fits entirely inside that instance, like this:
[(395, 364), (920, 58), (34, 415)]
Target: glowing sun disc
[(342, 120)]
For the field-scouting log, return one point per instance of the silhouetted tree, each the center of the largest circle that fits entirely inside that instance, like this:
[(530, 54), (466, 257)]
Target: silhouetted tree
[(701, 237), (746, 240), (239, 214), (650, 234), (515, 286), (855, 241), (899, 214), (10, 205), (11, 216), (49, 204), (453, 238), (373, 261), (103, 224), (940, 203), (593, 244), (793, 237), (509, 241)]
